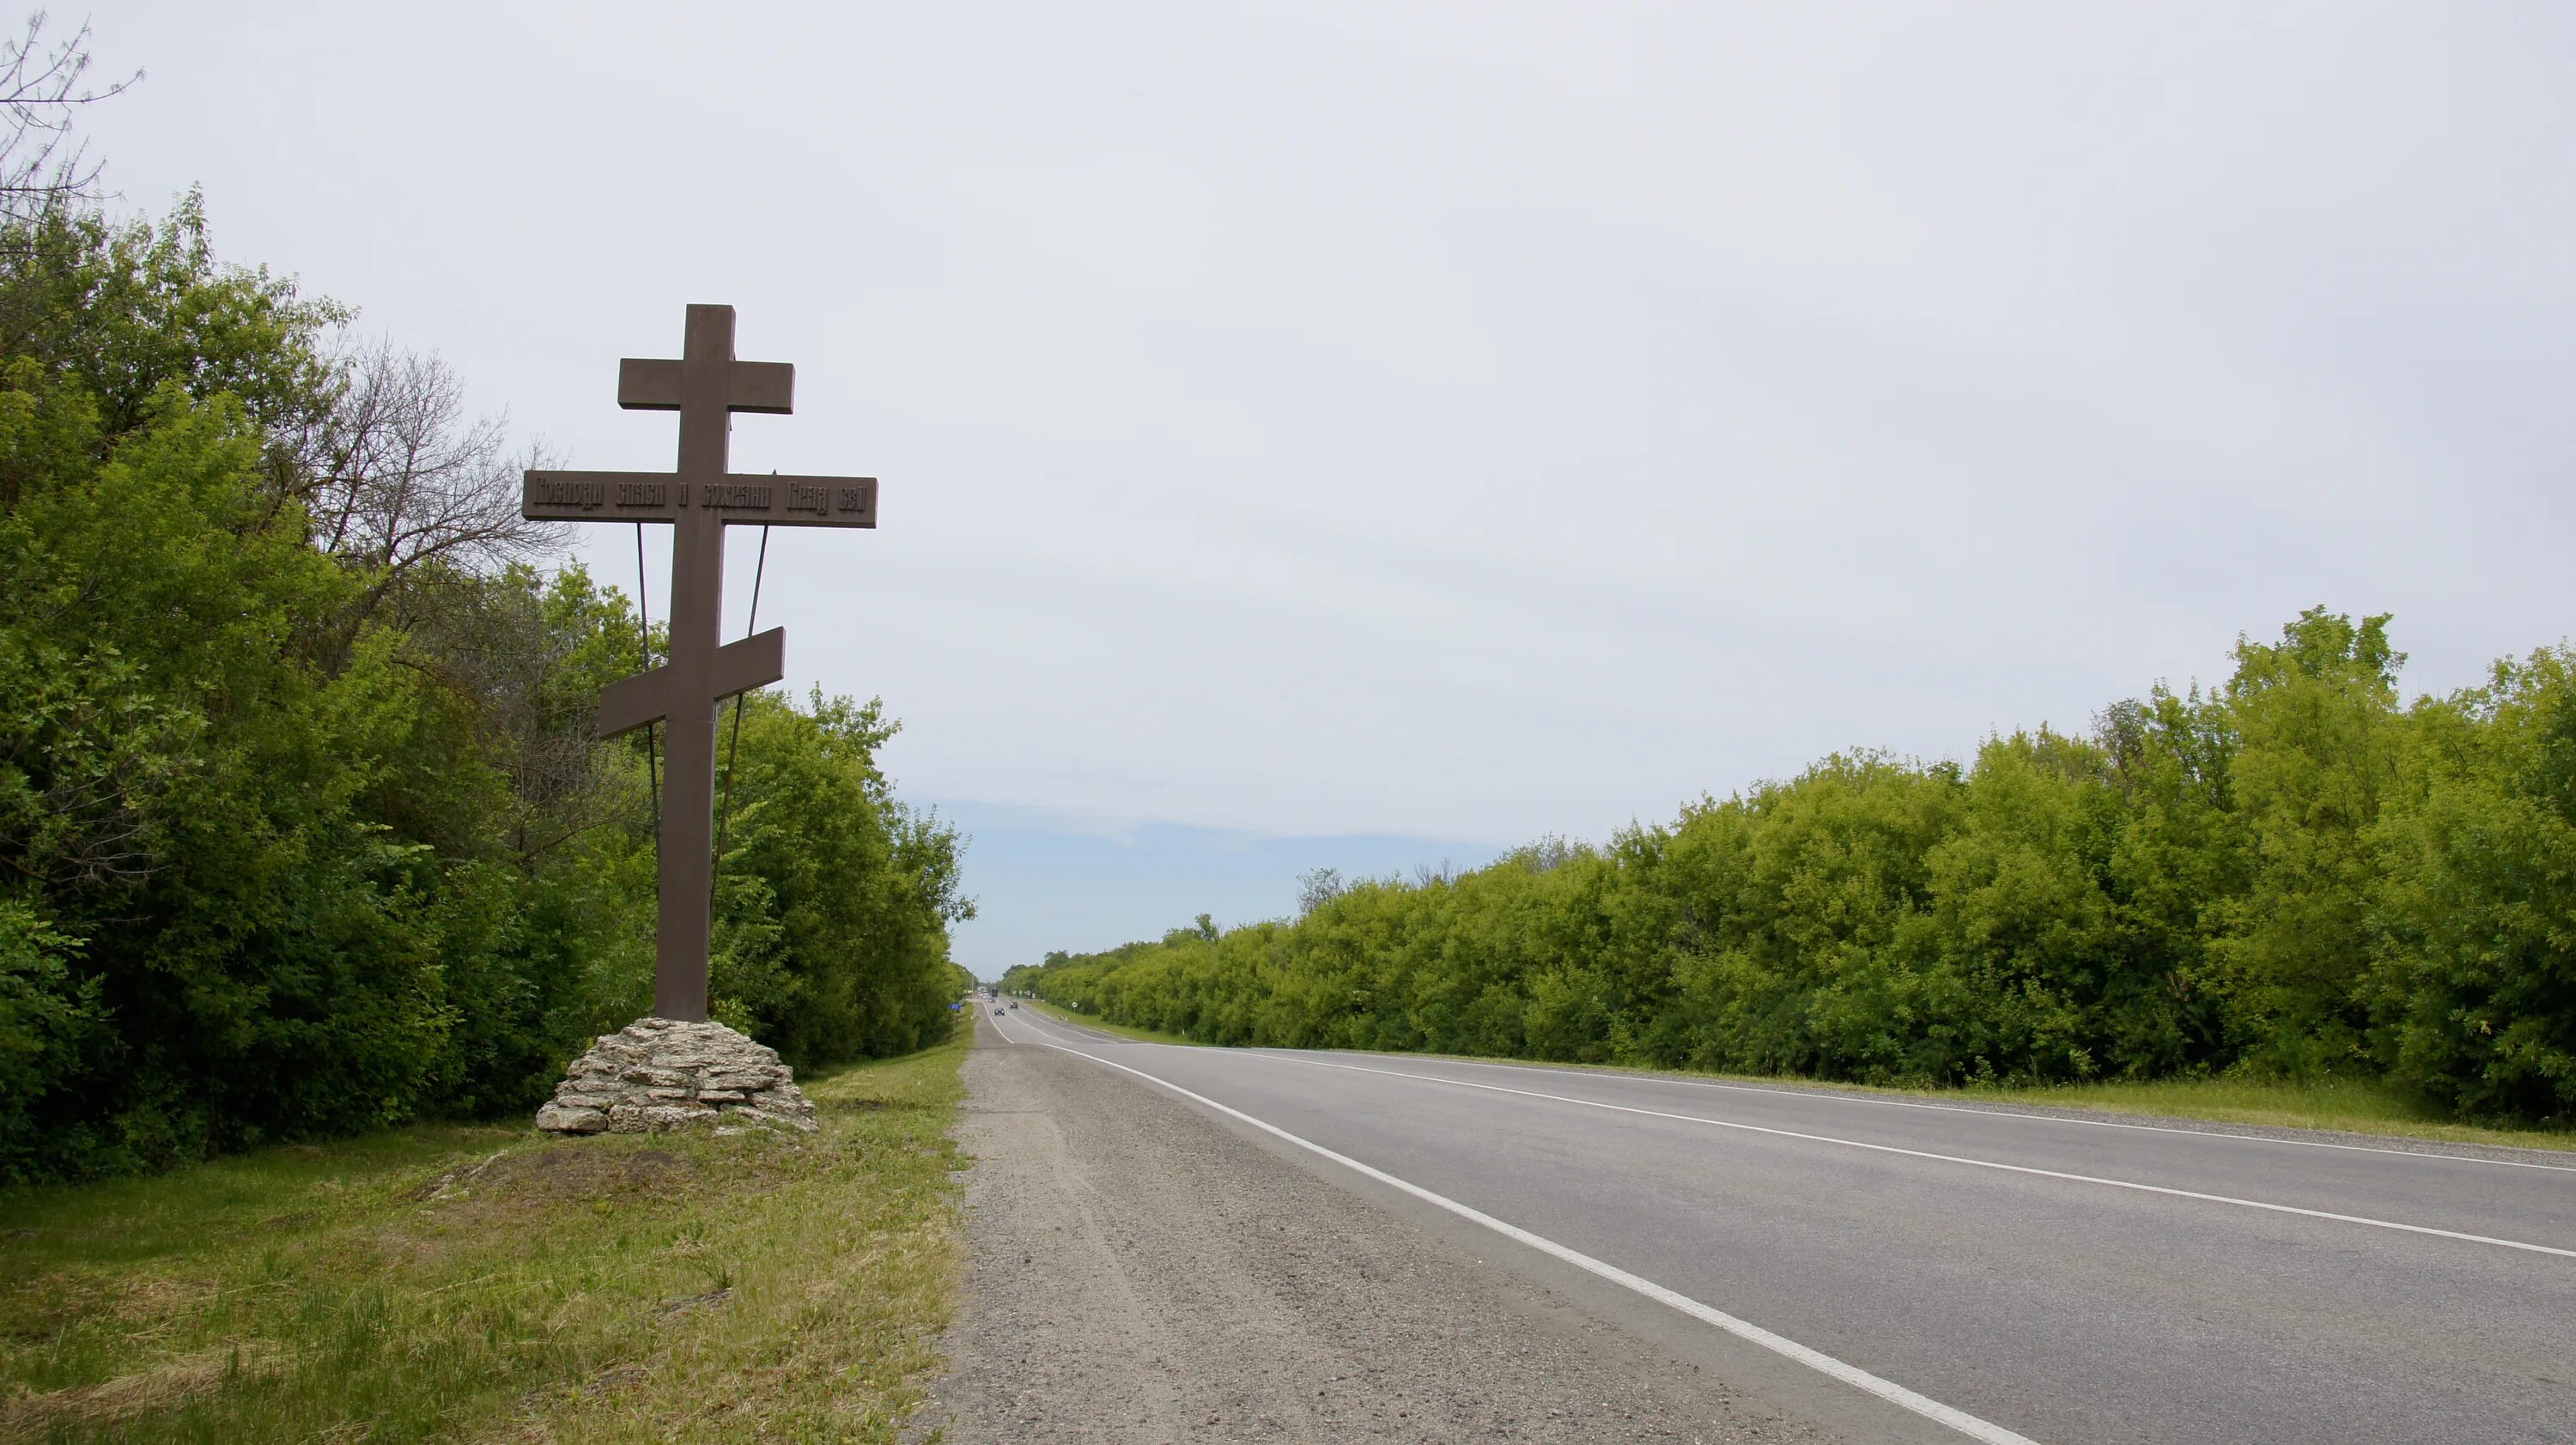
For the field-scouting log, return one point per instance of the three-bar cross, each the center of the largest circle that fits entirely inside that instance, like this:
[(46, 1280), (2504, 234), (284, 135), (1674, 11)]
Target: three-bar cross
[(699, 500)]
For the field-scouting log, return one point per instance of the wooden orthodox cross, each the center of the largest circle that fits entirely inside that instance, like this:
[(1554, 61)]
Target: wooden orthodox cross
[(699, 501)]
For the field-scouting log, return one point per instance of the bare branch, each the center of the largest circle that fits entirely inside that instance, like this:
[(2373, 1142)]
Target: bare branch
[(41, 92), (401, 476)]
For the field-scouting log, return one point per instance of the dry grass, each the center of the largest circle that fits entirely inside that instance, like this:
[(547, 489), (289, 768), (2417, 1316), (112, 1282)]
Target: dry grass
[(488, 1284)]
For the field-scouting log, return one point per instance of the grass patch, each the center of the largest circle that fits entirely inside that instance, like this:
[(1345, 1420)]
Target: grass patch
[(2355, 1106), (487, 1283), (2359, 1106)]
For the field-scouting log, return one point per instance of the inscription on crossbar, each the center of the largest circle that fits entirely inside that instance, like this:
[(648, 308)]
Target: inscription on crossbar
[(770, 500)]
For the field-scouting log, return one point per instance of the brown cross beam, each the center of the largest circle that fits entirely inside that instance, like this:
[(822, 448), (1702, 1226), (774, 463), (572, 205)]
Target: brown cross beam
[(699, 500)]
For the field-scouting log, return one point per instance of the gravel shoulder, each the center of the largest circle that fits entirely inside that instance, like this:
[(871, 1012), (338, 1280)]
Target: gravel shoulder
[(1140, 1273)]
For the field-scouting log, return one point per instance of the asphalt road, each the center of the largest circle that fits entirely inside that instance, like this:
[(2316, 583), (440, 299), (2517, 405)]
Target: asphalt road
[(1894, 1271), (1138, 1276)]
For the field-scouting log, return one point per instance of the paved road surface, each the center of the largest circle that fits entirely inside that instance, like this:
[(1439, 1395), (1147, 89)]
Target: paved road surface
[(1142, 1277), (1900, 1272)]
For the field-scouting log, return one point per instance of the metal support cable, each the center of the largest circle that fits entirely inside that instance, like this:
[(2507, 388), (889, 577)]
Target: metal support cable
[(644, 624), (724, 818)]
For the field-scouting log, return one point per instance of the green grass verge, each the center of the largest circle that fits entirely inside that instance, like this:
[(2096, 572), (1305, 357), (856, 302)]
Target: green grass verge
[(2356, 1106), (464, 1283), (2359, 1106)]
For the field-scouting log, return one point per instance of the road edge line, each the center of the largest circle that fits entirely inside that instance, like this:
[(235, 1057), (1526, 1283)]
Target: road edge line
[(2164, 1189), (1855, 1097)]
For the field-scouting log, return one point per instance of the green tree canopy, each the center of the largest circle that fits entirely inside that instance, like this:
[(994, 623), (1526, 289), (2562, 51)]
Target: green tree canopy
[(305, 829), (2294, 874)]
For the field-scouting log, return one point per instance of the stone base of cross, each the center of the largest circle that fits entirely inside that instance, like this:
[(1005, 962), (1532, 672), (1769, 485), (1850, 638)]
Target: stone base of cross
[(697, 501)]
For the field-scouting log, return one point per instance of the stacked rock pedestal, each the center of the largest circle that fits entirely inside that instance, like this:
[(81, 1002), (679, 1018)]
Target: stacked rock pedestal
[(658, 1074)]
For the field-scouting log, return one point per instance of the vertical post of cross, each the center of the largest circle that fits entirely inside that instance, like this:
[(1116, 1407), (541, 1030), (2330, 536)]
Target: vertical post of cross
[(697, 625)]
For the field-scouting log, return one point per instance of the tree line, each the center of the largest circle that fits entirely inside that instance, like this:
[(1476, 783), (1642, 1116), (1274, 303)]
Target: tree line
[(304, 828), (2292, 873)]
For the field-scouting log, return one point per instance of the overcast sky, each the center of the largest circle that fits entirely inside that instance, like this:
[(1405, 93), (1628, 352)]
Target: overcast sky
[(1352, 433)]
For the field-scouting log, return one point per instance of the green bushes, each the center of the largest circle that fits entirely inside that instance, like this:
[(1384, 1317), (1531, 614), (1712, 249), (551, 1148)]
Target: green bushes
[(2473, 968), (835, 896), (303, 827), (2294, 875)]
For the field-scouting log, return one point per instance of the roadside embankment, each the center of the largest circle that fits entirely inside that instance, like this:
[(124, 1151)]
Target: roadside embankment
[(487, 1283)]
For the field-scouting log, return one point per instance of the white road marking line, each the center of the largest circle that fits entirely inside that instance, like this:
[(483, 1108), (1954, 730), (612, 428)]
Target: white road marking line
[(1842, 1097), (1853, 1375), (1858, 1098), (1944, 1158)]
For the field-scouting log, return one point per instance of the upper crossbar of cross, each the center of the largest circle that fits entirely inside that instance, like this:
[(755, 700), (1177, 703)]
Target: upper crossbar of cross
[(704, 386)]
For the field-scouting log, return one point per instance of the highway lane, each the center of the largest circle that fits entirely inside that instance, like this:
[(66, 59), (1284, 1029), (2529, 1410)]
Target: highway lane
[(1140, 1276), (2055, 1280)]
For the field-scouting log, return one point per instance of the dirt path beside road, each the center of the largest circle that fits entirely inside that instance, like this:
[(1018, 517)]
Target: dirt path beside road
[(1141, 1274)]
